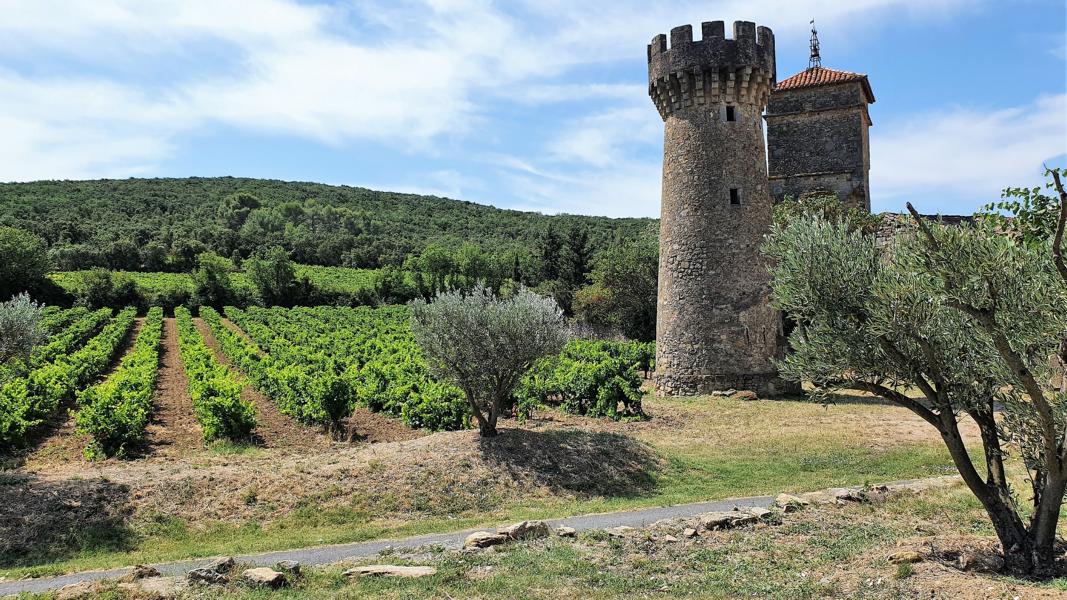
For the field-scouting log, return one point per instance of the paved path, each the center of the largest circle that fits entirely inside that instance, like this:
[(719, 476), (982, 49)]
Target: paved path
[(331, 554)]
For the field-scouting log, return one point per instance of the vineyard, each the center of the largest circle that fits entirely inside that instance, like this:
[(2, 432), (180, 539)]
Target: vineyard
[(301, 368)]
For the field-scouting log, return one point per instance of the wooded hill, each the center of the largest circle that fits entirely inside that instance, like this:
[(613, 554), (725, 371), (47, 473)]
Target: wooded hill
[(163, 224)]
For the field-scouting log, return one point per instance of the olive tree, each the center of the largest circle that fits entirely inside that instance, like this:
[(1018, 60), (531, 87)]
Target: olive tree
[(20, 330), (484, 343), (977, 322)]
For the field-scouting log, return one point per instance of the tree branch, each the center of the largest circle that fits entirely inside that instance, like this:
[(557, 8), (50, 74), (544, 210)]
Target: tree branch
[(1057, 240), (897, 398), (928, 390)]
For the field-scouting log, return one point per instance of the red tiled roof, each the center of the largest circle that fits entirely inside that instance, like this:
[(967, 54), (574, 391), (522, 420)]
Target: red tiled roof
[(822, 76)]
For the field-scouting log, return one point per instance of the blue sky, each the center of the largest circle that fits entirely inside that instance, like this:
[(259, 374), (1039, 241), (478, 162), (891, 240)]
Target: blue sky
[(536, 105)]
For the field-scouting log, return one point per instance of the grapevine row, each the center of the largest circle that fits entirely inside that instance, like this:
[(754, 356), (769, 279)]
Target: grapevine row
[(325, 360), (215, 391), (70, 336), (25, 402), (115, 413), (593, 378)]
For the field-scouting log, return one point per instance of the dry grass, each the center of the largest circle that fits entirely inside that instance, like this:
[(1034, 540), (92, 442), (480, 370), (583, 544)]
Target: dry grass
[(553, 465)]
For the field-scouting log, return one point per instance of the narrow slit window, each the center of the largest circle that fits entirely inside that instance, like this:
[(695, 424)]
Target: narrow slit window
[(730, 114), (735, 197)]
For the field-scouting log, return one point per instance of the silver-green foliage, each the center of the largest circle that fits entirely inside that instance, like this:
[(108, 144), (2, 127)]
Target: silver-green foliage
[(20, 330), (969, 318), (484, 343)]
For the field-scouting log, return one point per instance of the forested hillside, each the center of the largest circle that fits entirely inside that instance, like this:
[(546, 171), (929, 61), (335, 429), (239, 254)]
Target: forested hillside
[(164, 224)]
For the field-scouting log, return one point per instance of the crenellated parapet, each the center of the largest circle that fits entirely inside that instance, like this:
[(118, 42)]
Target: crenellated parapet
[(713, 70)]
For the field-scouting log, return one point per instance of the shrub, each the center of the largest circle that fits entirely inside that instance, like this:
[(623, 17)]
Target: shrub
[(20, 328), (592, 378), (484, 344)]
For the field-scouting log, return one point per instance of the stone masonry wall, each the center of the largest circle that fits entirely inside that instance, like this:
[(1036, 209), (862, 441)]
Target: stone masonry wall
[(817, 138), (715, 326)]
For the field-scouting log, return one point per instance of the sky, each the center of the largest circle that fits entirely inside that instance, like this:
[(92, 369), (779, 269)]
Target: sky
[(528, 104)]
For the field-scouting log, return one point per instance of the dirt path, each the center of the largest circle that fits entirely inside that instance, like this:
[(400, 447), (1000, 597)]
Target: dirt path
[(60, 443), (241, 332), (173, 430), (273, 429)]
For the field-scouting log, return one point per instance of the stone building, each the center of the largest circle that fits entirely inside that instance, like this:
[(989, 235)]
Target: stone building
[(715, 327), (817, 133)]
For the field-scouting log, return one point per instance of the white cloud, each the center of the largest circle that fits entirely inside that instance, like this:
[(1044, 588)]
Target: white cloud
[(973, 152), (424, 76), (608, 137), (74, 128)]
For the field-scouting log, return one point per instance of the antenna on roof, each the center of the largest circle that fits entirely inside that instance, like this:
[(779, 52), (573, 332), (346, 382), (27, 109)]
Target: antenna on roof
[(814, 60)]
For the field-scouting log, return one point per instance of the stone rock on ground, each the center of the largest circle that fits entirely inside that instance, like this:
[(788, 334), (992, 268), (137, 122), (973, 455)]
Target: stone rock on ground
[(846, 495), (221, 565), (525, 530), (290, 567), (790, 503), (390, 571), (264, 576), (484, 539), (721, 393), (905, 556), (689, 532), (725, 520), (139, 572), (620, 531), (564, 531), (759, 512), (670, 539), (206, 576), (76, 591), (155, 587)]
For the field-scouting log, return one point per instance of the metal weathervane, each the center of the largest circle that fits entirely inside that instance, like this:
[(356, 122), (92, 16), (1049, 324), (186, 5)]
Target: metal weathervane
[(814, 60)]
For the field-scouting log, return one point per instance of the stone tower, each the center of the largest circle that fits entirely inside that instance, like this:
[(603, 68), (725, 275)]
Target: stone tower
[(715, 327), (817, 138)]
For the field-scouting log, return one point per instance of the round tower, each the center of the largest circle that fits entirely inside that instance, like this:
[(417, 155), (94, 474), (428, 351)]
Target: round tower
[(715, 326)]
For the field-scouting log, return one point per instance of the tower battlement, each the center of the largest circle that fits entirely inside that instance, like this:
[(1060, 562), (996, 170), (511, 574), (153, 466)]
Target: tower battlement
[(712, 70)]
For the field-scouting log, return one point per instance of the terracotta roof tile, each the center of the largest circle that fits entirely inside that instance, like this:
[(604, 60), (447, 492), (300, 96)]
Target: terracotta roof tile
[(822, 76)]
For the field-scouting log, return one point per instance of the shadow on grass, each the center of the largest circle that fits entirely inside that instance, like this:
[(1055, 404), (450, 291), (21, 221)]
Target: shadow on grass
[(581, 462), (44, 521)]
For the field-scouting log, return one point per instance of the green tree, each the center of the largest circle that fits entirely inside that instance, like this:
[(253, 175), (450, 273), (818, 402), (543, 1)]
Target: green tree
[(485, 344), (233, 211), (968, 318), (274, 276), (1031, 213), (472, 265), (624, 289), (549, 254), (577, 258), (24, 262), (212, 285), (97, 288)]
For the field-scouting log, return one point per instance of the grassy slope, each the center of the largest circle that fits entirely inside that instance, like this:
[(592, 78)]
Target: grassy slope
[(712, 448)]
